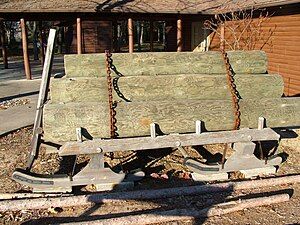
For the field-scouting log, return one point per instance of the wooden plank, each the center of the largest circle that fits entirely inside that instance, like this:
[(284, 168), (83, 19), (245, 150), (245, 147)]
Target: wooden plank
[(46, 74), (166, 87), (284, 66), (134, 118), (161, 63), (166, 141)]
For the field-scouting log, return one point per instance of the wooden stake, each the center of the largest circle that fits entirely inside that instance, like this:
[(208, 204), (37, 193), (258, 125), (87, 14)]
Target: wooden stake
[(3, 46), (45, 203), (222, 37), (43, 93), (179, 35), (130, 36), (151, 36), (25, 50), (79, 36)]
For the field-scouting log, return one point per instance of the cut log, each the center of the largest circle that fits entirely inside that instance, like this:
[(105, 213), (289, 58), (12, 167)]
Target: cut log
[(166, 87), (134, 118), (102, 198), (13, 196), (159, 63), (157, 217)]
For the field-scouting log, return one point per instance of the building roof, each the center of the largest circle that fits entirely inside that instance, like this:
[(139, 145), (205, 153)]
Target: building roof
[(136, 6)]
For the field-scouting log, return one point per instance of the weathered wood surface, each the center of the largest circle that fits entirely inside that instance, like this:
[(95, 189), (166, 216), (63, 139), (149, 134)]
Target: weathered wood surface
[(120, 197), (166, 87), (188, 214), (46, 74), (155, 63), (134, 118), (166, 141)]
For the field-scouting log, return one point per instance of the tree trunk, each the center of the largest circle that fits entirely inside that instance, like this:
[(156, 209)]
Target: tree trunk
[(102, 198), (93, 65), (166, 87), (177, 116), (158, 217)]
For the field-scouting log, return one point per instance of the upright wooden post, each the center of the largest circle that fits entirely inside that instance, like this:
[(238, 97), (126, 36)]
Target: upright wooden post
[(151, 36), (179, 35), (25, 50), (130, 36), (79, 36), (3, 46), (222, 37)]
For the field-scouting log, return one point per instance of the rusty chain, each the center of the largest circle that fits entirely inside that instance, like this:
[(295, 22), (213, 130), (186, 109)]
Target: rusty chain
[(112, 112), (234, 96), (233, 91)]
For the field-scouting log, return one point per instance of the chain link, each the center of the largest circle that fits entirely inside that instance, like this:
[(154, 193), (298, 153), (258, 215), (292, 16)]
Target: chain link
[(233, 91), (235, 96), (116, 80), (111, 103)]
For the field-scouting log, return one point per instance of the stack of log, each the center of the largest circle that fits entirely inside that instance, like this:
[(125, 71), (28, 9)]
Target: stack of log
[(172, 90)]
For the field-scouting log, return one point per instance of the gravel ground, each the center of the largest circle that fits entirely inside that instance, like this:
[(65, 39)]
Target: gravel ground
[(11, 103), (163, 169)]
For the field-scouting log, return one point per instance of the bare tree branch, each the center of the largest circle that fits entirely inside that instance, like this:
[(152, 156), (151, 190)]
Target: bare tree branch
[(244, 31)]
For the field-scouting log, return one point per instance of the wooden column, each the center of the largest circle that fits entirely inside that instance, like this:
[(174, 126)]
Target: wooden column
[(130, 36), (3, 46), (79, 36), (151, 36), (179, 35), (222, 37), (25, 50)]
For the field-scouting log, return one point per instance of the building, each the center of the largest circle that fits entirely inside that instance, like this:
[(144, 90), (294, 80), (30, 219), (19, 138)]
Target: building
[(93, 26)]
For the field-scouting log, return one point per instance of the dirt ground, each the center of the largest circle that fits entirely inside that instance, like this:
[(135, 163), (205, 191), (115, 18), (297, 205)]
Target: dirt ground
[(163, 169)]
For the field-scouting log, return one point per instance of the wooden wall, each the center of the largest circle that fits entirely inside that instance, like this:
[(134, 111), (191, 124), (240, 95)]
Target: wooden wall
[(96, 37), (284, 51), (282, 48)]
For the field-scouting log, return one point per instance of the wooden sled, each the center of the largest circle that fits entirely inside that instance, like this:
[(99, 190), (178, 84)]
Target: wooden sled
[(243, 141), (103, 178)]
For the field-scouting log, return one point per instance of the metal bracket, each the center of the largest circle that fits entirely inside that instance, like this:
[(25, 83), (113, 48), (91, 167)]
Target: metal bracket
[(93, 173), (243, 159)]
